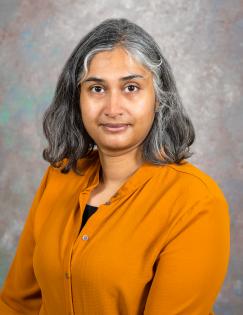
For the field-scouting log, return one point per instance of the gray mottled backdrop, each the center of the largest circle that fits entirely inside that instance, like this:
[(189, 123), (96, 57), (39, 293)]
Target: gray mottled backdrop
[(202, 40)]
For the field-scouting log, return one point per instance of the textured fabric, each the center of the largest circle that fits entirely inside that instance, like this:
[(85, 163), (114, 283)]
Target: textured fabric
[(161, 246)]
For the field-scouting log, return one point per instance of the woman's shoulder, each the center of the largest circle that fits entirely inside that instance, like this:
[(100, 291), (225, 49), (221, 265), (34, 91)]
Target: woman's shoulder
[(189, 189), (193, 179), (84, 165)]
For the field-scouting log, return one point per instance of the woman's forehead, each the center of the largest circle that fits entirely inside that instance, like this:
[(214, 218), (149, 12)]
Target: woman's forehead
[(103, 79), (118, 60)]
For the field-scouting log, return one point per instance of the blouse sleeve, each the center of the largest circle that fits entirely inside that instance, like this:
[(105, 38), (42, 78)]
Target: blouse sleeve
[(191, 268), (20, 293)]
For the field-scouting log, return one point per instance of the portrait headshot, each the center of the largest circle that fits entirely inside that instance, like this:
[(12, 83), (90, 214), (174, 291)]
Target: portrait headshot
[(123, 219)]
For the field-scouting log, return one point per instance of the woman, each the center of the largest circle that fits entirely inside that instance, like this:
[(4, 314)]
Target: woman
[(121, 223)]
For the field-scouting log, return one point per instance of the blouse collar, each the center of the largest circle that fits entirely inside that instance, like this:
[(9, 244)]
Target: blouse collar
[(143, 173)]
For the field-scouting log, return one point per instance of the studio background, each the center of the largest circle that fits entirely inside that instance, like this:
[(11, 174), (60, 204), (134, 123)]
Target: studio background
[(203, 42)]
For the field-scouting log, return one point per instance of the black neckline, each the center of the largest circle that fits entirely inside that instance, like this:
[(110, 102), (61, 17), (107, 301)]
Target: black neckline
[(90, 206)]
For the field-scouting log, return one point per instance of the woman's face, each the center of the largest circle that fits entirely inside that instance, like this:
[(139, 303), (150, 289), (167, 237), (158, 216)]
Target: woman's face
[(117, 101)]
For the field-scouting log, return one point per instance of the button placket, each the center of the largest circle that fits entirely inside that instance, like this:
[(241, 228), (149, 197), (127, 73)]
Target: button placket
[(68, 262), (67, 277)]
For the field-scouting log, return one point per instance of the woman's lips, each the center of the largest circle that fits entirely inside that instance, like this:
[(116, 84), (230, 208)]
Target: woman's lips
[(115, 127)]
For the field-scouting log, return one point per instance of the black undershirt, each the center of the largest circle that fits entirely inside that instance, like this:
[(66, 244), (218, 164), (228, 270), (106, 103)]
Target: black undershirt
[(88, 211)]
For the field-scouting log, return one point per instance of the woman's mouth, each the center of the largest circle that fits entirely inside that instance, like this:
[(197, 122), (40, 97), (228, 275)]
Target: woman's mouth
[(115, 127)]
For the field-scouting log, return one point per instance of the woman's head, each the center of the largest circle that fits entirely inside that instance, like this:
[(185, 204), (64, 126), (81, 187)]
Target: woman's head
[(166, 134), (117, 102)]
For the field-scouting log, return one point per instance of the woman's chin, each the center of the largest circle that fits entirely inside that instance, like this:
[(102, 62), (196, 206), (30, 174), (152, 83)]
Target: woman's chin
[(116, 146)]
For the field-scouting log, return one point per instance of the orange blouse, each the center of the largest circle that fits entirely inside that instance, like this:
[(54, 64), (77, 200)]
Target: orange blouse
[(159, 246)]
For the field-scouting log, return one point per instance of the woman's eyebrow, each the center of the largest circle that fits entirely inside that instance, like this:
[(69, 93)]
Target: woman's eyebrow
[(129, 77)]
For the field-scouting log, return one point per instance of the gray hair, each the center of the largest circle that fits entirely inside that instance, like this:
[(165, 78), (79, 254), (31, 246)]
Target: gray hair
[(172, 132)]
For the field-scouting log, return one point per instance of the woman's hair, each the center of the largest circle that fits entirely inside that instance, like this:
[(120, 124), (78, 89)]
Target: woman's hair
[(172, 132)]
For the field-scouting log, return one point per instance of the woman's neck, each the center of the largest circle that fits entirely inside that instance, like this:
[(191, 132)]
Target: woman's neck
[(115, 169)]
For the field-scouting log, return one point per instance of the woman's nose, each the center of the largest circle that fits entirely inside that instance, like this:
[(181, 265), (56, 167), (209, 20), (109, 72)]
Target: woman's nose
[(113, 104)]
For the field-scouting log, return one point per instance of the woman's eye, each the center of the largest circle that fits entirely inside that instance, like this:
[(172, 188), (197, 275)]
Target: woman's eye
[(96, 88), (132, 88), (99, 89)]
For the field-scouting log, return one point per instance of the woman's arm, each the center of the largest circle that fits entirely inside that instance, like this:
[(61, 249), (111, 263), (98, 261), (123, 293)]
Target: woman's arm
[(20, 293), (192, 266)]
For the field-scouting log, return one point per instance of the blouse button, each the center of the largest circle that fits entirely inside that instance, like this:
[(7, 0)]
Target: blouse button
[(85, 237), (67, 275)]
